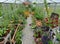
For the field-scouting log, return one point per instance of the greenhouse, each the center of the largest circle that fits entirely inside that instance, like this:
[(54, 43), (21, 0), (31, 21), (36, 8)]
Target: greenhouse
[(29, 21)]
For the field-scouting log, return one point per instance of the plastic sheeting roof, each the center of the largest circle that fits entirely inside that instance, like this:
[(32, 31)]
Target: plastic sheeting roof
[(12, 1), (20, 1)]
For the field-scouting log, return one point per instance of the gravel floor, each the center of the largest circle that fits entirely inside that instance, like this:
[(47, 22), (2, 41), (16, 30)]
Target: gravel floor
[(28, 33)]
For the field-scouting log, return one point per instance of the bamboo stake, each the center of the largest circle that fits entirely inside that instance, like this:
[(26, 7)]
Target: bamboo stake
[(15, 33)]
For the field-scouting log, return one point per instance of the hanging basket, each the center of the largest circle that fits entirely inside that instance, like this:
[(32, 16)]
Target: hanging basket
[(34, 3), (26, 3)]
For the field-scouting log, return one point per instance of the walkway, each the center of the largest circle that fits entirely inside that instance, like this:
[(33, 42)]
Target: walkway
[(28, 33)]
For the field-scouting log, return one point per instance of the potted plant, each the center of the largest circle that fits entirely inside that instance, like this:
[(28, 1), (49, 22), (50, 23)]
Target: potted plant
[(54, 17), (39, 18)]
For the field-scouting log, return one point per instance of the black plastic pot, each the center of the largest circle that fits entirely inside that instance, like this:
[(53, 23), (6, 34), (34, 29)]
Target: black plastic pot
[(1, 40)]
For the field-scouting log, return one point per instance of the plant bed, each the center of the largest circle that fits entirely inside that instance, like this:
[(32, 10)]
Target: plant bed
[(18, 24), (17, 35)]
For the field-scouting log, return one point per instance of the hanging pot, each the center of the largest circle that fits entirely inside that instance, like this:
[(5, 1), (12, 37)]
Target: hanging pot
[(26, 3)]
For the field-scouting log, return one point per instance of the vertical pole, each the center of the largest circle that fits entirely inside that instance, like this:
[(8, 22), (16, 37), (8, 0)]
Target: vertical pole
[(2, 8), (45, 2), (15, 7), (55, 7)]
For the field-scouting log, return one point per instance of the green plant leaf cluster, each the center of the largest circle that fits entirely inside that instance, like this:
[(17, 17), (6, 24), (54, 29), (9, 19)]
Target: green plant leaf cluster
[(0, 9), (18, 37), (39, 16), (2, 31), (38, 13)]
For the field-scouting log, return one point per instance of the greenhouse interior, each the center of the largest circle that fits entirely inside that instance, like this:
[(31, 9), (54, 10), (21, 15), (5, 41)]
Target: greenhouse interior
[(29, 21)]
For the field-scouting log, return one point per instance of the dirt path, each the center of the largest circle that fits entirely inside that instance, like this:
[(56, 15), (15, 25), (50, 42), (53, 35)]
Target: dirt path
[(28, 33)]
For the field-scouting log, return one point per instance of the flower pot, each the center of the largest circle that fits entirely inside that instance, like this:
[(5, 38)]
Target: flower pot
[(26, 3), (2, 41), (8, 30), (38, 40)]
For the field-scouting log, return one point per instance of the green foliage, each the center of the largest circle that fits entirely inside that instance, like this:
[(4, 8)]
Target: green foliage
[(33, 26), (50, 42), (38, 13), (35, 34), (0, 13), (0, 10), (46, 6), (33, 8), (39, 16), (4, 22), (18, 37), (57, 35), (2, 31)]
